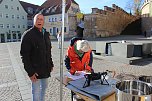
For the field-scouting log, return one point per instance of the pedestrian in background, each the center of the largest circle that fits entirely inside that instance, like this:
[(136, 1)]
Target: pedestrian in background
[(59, 39), (36, 57), (145, 33), (80, 28)]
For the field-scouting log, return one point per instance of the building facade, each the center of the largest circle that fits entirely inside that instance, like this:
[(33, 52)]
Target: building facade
[(13, 20), (52, 10), (146, 13), (146, 8)]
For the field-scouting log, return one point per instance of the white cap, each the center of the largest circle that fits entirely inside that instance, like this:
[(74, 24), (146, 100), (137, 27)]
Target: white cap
[(83, 45)]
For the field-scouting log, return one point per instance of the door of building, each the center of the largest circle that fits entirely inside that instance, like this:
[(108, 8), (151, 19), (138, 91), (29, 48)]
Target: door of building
[(2, 38), (54, 31)]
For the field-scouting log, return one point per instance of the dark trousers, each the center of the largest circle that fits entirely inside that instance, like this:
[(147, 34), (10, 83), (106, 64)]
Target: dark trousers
[(80, 32)]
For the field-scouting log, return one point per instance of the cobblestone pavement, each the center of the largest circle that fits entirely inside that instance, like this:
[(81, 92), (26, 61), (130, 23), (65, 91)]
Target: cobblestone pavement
[(15, 84)]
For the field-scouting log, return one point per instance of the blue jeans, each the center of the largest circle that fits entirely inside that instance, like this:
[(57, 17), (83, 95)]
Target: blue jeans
[(39, 89)]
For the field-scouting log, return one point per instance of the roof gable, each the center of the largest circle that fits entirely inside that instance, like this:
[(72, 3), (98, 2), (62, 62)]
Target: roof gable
[(51, 7), (26, 5)]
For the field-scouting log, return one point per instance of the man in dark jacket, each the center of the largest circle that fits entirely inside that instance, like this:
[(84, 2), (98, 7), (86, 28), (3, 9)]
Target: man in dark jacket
[(80, 28), (36, 57)]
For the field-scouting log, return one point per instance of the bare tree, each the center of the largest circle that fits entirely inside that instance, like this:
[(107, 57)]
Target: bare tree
[(129, 6), (134, 6)]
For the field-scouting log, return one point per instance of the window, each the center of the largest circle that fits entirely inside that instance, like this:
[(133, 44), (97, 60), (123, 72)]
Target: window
[(18, 26), (30, 10), (1, 26), (6, 15), (1, 15), (13, 26), (53, 10), (19, 36), (18, 8), (47, 11), (6, 6), (14, 36), (11, 7), (8, 36), (49, 19), (13, 16), (22, 17), (50, 30), (7, 26), (57, 30), (55, 19), (64, 29), (60, 19), (52, 19), (18, 16), (23, 26)]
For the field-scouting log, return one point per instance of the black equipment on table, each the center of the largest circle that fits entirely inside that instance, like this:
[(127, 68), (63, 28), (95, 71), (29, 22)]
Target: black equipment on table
[(96, 76)]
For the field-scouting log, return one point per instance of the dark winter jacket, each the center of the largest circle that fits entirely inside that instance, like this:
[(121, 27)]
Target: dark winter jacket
[(36, 53)]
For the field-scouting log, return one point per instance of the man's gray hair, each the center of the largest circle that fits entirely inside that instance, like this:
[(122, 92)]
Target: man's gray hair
[(35, 17), (83, 45)]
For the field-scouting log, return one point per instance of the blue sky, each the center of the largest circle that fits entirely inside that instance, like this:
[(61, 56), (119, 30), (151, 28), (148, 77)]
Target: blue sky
[(86, 5)]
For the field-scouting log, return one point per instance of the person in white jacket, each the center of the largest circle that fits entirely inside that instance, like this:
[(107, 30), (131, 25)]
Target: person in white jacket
[(59, 39)]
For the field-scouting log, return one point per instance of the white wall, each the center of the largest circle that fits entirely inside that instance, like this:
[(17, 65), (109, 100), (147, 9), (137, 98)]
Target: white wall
[(12, 10)]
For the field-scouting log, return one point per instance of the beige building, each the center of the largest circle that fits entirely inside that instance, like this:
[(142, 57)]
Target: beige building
[(13, 20), (52, 10), (146, 12), (147, 8)]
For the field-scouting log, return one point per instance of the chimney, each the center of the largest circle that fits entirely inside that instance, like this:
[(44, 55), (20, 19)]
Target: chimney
[(95, 10), (105, 8)]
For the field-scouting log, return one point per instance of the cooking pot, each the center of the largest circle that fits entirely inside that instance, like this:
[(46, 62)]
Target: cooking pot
[(134, 90)]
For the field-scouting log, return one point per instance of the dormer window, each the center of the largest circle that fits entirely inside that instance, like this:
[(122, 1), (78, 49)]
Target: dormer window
[(30, 10), (47, 11), (53, 10)]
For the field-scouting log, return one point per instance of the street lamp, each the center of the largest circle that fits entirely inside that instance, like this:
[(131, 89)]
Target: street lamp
[(62, 50)]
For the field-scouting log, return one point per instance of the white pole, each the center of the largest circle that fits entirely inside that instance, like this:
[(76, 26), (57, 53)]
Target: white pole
[(62, 51)]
